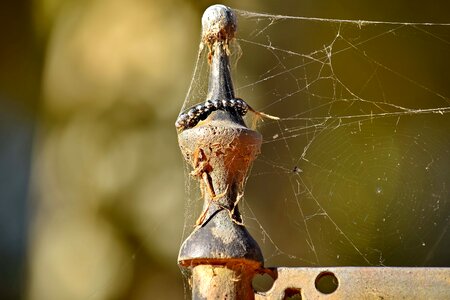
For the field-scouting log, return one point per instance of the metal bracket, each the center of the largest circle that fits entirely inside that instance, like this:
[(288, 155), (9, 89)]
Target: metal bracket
[(359, 283)]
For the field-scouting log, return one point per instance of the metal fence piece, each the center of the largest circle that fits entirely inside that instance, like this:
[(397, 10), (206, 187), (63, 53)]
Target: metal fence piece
[(361, 283), (220, 148), (220, 253)]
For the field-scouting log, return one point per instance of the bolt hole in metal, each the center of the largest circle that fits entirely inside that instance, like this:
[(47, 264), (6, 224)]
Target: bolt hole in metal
[(292, 294), (262, 282), (326, 282)]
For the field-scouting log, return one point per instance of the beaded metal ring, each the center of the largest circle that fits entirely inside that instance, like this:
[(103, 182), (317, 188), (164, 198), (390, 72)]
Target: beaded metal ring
[(200, 112)]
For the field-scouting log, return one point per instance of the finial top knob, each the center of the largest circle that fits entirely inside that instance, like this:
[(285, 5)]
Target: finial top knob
[(219, 24)]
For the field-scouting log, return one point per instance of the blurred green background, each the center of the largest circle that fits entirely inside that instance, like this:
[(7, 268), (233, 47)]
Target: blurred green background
[(92, 189)]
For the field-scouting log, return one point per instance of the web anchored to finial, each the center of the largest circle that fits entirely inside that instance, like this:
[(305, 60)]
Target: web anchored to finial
[(357, 165), (219, 27)]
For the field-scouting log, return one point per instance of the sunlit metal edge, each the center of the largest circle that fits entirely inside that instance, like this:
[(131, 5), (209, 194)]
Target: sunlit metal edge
[(364, 283)]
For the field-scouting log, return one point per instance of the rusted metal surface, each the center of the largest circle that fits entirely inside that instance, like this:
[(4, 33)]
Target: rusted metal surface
[(232, 281), (220, 251), (228, 148), (363, 283)]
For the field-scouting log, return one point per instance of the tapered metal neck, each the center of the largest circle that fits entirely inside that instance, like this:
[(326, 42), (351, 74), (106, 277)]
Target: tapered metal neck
[(220, 85), (219, 27)]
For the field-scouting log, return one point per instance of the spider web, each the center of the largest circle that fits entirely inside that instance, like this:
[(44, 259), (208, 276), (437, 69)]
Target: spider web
[(356, 171)]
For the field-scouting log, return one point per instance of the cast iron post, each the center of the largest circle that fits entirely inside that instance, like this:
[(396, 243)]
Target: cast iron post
[(220, 252)]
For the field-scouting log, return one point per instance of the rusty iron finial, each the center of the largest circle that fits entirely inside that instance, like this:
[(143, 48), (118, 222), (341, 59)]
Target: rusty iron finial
[(219, 25), (220, 148)]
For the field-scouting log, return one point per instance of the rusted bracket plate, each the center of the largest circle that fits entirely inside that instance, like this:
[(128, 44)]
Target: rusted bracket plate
[(363, 283)]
